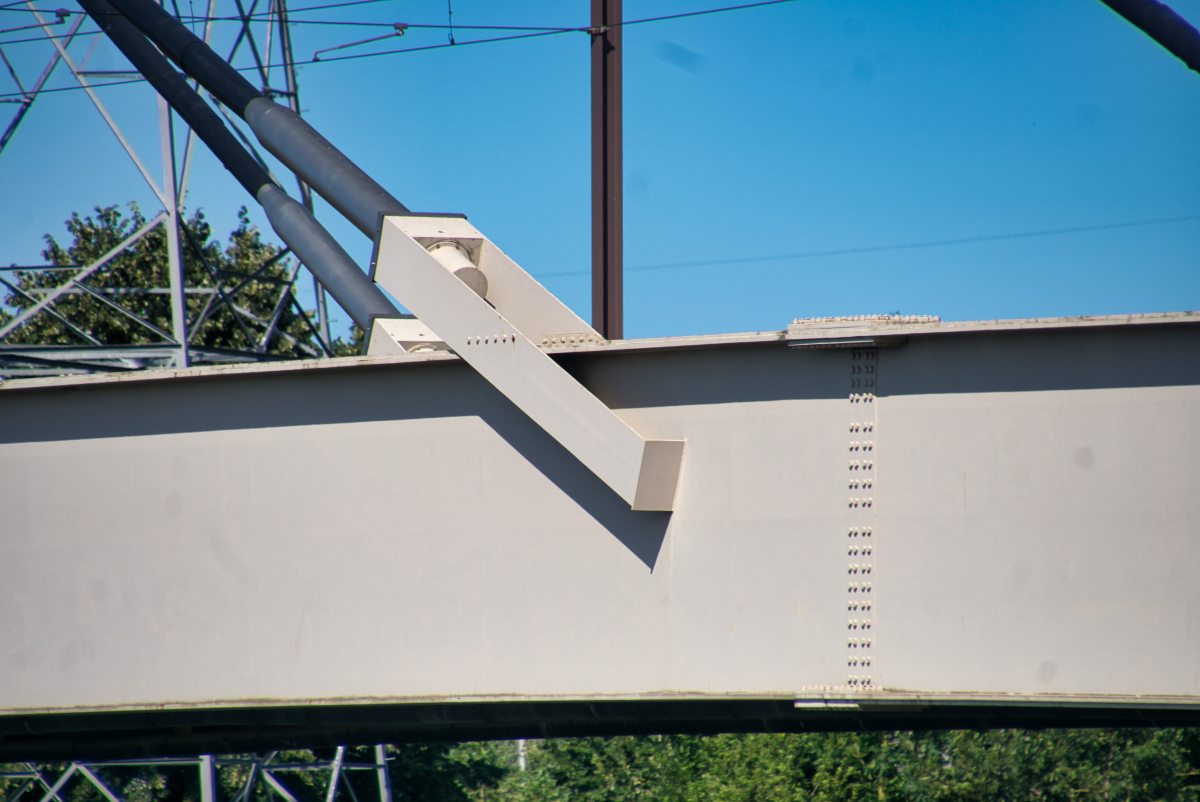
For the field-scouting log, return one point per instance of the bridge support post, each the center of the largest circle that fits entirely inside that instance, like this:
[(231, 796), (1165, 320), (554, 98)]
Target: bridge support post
[(208, 779), (381, 771), (335, 774)]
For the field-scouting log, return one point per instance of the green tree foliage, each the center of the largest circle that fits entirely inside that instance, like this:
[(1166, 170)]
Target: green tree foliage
[(129, 783), (1047, 766), (437, 772), (144, 265), (1133, 765), (442, 772)]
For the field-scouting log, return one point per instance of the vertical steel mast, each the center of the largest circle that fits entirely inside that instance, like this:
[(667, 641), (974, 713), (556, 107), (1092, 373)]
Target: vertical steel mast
[(166, 138), (608, 314)]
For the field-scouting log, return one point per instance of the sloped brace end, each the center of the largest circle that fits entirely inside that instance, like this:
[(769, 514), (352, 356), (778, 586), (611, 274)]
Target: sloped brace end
[(659, 476), (402, 336)]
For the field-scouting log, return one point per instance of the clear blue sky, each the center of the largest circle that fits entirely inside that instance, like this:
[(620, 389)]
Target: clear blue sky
[(801, 128)]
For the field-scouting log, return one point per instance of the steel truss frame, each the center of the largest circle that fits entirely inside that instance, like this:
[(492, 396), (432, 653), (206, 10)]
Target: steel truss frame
[(261, 774), (176, 347)]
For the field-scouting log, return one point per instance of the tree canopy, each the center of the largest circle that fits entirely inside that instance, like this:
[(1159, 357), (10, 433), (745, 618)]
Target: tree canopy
[(849, 767), (250, 271), (1134, 765)]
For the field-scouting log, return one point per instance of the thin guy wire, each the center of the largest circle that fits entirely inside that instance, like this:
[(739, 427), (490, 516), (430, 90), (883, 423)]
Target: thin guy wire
[(409, 24), (334, 5), (538, 33), (9, 6), (899, 247), (319, 61), (584, 29), (552, 32)]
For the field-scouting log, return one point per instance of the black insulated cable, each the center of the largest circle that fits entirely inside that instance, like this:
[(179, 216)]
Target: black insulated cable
[(190, 52), (1164, 26), (307, 238), (289, 138), (322, 166), (175, 90)]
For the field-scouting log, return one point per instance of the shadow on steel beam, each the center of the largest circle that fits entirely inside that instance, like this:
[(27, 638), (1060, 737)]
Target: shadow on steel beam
[(642, 533), (321, 397), (106, 736)]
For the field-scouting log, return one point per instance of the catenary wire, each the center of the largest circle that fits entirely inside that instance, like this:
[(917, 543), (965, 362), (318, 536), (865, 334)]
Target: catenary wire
[(1051, 232), (332, 5), (552, 32), (260, 18), (254, 68), (265, 15), (331, 23), (27, 27), (537, 33), (46, 39)]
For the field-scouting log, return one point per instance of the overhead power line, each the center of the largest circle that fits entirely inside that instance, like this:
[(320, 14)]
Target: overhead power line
[(442, 46), (353, 23), (45, 39), (332, 5), (330, 23), (536, 32), (782, 257), (554, 31)]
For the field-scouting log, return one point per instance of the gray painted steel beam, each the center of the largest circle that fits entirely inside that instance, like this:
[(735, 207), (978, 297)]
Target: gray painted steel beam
[(1023, 527)]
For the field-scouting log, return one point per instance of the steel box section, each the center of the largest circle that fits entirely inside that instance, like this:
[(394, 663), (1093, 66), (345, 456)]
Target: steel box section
[(643, 472), (395, 531)]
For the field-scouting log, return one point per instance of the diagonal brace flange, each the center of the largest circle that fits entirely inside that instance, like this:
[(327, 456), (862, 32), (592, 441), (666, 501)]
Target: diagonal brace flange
[(643, 472)]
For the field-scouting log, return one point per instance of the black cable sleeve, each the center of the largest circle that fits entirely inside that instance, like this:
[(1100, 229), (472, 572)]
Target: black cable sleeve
[(1164, 26), (190, 52), (175, 90)]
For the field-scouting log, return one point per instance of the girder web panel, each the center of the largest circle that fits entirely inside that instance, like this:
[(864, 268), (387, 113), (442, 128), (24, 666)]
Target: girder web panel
[(398, 532)]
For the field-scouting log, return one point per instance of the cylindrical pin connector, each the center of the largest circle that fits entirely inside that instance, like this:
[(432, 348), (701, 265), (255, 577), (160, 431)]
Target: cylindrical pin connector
[(455, 258)]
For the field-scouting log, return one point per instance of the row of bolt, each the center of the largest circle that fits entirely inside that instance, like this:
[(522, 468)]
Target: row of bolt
[(569, 339), (864, 367), (803, 321), (491, 339)]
